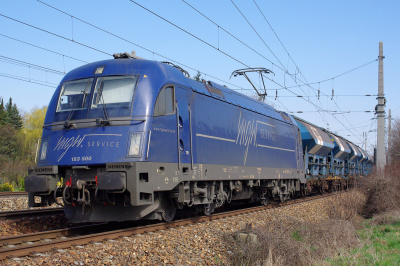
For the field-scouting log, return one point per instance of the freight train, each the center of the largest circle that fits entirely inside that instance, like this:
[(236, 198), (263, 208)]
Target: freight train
[(129, 139)]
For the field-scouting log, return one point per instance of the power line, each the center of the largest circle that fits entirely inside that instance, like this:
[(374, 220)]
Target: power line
[(62, 37), (275, 56), (229, 33), (25, 64), (364, 122), (312, 83), (26, 80), (146, 49), (333, 112), (344, 95), (347, 129), (210, 45), (300, 70), (152, 51), (43, 48), (317, 107), (282, 88), (259, 36), (160, 55), (194, 36), (286, 71)]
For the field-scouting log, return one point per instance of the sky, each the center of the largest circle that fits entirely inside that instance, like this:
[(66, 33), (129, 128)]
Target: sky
[(302, 42)]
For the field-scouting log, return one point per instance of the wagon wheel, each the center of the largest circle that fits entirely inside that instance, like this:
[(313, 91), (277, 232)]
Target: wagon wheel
[(321, 188), (265, 201), (302, 192), (168, 215), (335, 186), (208, 208)]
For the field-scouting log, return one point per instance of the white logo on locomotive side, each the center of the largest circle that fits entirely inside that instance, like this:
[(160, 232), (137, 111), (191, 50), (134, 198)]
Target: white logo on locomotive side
[(247, 134)]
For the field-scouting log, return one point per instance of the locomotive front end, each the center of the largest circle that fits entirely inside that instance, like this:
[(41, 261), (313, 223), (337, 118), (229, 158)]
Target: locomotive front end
[(94, 135)]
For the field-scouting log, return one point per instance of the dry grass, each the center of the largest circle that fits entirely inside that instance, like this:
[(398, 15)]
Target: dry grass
[(382, 192), (292, 242), (348, 206), (390, 217)]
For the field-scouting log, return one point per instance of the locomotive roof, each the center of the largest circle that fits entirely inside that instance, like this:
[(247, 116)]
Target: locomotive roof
[(162, 74)]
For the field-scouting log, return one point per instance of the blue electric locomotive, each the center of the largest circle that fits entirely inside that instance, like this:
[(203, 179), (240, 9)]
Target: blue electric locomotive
[(129, 139)]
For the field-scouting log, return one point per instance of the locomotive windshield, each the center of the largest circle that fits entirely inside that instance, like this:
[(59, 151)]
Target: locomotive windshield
[(113, 95), (113, 91), (74, 94)]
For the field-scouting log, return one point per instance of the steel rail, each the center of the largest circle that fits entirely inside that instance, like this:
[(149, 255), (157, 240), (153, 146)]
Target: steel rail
[(24, 250), (20, 239), (13, 194), (8, 215)]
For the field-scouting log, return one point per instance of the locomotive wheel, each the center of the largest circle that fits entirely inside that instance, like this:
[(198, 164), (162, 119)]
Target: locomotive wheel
[(168, 215)]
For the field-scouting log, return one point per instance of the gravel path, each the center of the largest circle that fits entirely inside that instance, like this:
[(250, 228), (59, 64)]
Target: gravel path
[(199, 244)]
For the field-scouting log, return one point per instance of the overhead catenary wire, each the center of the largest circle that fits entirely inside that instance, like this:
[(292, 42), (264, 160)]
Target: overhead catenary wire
[(160, 54), (26, 64), (5, 36), (212, 46), (54, 34), (39, 82), (181, 29), (173, 25), (204, 73), (333, 112), (302, 73), (286, 70), (340, 95), (236, 38), (142, 47), (318, 108)]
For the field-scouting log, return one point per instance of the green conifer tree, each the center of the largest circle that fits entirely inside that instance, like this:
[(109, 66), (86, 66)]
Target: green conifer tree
[(3, 114), (13, 116)]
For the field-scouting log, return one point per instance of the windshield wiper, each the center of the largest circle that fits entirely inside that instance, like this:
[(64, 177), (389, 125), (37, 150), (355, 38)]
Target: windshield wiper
[(72, 113), (100, 121)]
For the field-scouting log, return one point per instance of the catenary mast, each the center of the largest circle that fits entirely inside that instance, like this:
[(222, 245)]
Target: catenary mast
[(380, 111)]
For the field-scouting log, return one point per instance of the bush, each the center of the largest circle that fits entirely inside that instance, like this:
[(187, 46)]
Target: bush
[(382, 192), (6, 187), (21, 183)]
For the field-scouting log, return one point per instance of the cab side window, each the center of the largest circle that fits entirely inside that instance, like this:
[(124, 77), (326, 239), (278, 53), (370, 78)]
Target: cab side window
[(165, 102)]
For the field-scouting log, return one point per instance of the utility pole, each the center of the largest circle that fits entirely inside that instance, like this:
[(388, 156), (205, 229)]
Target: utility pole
[(389, 137), (380, 111)]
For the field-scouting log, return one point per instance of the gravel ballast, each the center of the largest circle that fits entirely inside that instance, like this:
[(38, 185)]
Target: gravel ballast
[(199, 244), (19, 203)]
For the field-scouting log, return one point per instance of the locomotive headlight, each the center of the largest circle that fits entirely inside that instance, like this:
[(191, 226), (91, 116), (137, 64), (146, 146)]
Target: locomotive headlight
[(134, 146), (43, 151)]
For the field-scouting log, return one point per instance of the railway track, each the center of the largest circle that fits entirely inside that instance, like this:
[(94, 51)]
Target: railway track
[(13, 194), (8, 215), (66, 238)]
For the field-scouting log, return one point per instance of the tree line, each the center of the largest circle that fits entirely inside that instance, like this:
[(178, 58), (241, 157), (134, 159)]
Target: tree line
[(19, 134)]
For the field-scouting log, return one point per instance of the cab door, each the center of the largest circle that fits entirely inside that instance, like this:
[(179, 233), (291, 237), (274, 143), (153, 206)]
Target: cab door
[(183, 128)]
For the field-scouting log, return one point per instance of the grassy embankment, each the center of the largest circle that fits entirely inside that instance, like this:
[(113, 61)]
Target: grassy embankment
[(361, 228)]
